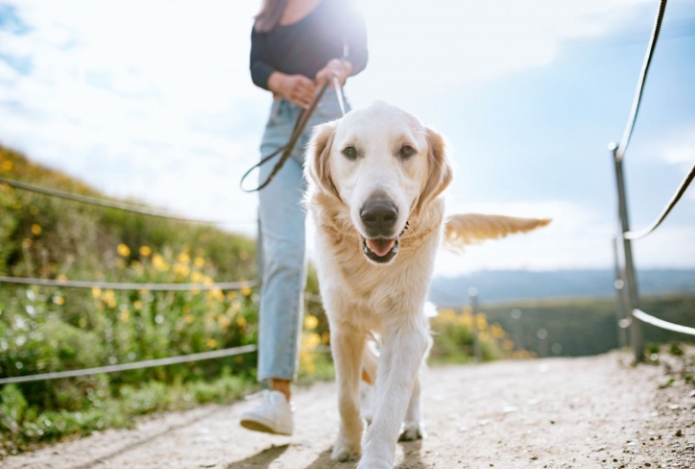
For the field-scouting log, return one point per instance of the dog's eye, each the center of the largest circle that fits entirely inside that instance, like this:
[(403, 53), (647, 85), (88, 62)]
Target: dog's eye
[(407, 151), (350, 153)]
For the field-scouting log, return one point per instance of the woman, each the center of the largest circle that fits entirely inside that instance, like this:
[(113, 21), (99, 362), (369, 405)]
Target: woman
[(296, 45)]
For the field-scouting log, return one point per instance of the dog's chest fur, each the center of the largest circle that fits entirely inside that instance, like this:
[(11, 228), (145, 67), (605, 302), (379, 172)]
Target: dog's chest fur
[(344, 269)]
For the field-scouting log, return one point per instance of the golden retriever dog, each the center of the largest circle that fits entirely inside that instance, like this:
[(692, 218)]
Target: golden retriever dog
[(375, 182)]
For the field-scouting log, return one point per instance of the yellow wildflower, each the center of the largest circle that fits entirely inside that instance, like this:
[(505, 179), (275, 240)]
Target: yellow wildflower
[(199, 262), (310, 322), (241, 321), (137, 304), (196, 277), (310, 341), (216, 294), (212, 343), (231, 295), (26, 242), (182, 270), (36, 229), (123, 250), (145, 251), (62, 277), (189, 318), (246, 290), (59, 300), (96, 292), (184, 258), (109, 298), (223, 321), (6, 165), (125, 316), (159, 263)]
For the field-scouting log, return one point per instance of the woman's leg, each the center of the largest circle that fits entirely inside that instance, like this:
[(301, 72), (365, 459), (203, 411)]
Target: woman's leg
[(282, 219)]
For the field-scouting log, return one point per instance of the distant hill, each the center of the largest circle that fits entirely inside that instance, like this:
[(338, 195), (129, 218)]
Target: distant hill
[(495, 286)]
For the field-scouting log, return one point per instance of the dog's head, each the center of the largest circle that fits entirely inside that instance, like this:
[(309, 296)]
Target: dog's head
[(384, 166)]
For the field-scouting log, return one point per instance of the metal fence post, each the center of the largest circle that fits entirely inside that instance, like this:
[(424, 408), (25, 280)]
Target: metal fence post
[(621, 314), (630, 276)]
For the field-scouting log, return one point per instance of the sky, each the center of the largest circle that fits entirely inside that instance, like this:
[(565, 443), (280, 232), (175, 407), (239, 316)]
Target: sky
[(153, 101)]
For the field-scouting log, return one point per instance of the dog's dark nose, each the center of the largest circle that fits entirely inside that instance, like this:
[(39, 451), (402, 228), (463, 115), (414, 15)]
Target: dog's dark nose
[(379, 216)]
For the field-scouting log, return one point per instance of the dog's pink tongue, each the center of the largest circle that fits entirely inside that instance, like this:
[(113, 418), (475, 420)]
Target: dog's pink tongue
[(380, 247)]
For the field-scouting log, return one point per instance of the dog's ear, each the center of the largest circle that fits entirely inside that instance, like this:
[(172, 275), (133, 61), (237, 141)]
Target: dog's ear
[(319, 152), (440, 172)]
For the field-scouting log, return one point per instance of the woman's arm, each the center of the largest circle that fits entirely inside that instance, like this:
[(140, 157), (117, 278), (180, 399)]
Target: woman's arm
[(260, 68), (298, 89)]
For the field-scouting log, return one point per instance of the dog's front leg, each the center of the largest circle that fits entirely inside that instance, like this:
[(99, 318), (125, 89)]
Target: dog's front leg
[(405, 344), (413, 427), (348, 344)]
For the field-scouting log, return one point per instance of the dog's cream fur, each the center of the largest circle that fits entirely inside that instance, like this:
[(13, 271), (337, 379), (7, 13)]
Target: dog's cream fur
[(361, 295)]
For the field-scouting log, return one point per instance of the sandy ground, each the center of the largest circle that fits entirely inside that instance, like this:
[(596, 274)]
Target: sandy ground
[(595, 412)]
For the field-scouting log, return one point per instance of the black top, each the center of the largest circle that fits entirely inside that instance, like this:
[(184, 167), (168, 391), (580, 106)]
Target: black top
[(328, 32)]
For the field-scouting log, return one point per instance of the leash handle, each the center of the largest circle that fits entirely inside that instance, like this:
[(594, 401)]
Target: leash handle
[(299, 126)]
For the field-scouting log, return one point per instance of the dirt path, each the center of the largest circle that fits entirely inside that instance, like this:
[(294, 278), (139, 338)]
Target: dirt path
[(595, 412)]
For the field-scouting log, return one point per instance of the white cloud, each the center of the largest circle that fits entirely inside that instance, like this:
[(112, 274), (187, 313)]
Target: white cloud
[(680, 148), (427, 49)]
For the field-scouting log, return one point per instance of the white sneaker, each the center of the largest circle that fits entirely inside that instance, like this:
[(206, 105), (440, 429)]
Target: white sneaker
[(272, 415)]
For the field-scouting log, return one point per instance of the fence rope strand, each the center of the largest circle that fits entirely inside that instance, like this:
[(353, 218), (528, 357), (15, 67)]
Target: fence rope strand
[(228, 352), (107, 203), (627, 134), (649, 319), (676, 197)]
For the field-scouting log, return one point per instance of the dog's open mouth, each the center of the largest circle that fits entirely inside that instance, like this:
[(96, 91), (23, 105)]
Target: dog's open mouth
[(380, 250)]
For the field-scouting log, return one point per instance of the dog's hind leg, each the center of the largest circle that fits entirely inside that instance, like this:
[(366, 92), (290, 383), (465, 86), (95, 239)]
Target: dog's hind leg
[(348, 345)]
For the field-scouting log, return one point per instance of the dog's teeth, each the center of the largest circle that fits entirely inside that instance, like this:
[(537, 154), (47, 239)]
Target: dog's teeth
[(365, 249)]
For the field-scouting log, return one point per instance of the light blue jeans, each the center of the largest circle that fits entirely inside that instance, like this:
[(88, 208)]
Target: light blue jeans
[(282, 258)]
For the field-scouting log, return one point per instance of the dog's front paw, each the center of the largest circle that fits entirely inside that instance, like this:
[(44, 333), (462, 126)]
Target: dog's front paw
[(371, 463), (343, 451), (412, 431)]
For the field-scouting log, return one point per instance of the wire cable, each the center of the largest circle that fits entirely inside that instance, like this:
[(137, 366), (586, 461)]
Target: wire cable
[(676, 197), (104, 202), (128, 285), (228, 352), (627, 134), (649, 319)]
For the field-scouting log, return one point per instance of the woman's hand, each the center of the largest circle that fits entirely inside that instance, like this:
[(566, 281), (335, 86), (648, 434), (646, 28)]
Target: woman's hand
[(297, 89), (339, 68)]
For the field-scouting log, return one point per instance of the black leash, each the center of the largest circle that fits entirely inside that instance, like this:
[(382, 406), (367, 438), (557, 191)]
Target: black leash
[(299, 126)]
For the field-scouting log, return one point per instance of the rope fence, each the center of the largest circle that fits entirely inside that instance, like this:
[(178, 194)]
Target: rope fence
[(112, 204), (626, 279), (167, 361), (229, 352), (632, 235)]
